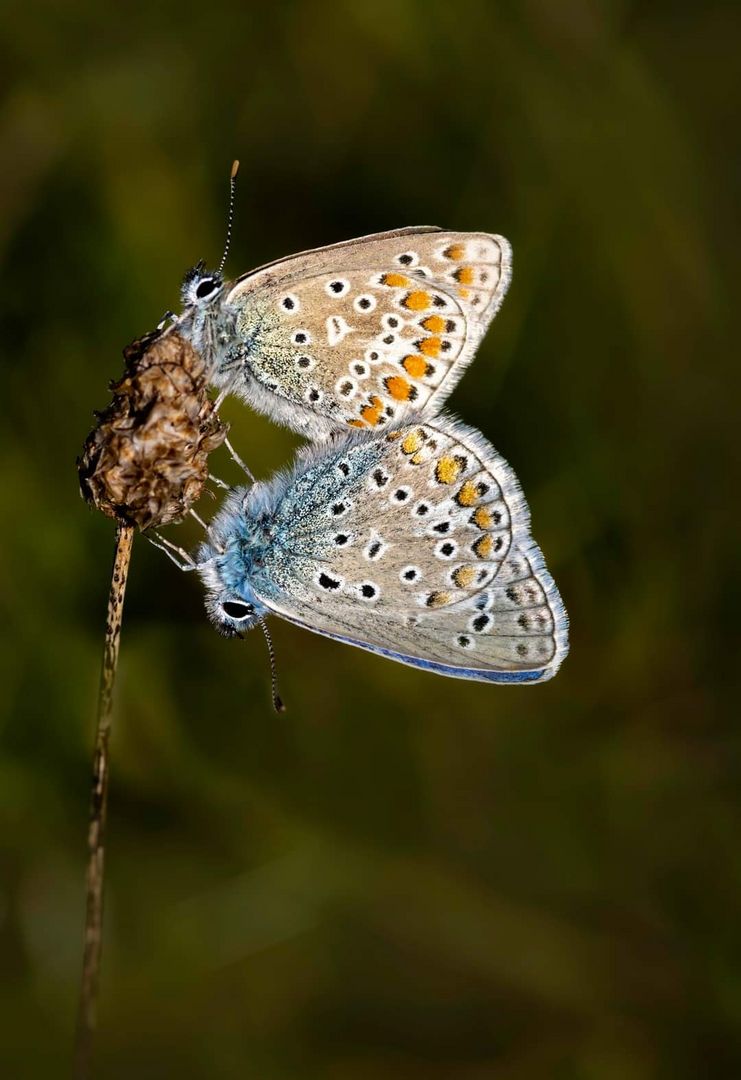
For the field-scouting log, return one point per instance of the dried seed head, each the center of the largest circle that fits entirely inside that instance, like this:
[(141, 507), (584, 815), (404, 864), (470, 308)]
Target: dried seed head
[(145, 462)]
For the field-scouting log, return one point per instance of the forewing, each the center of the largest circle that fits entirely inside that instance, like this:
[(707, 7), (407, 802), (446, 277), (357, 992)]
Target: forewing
[(416, 545), (363, 332)]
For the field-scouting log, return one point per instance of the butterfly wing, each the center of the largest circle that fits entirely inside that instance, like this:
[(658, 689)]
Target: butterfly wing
[(362, 333), (416, 545)]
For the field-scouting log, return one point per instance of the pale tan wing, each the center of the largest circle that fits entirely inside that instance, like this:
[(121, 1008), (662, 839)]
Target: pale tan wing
[(417, 545), (363, 332)]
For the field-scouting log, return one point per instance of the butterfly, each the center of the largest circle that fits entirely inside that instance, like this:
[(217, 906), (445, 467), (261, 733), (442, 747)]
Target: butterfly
[(359, 334), (413, 543)]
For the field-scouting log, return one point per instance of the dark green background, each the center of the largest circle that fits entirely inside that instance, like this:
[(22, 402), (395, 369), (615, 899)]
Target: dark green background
[(404, 877)]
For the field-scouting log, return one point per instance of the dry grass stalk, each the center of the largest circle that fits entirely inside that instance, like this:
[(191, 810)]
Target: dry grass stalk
[(144, 464), (93, 939)]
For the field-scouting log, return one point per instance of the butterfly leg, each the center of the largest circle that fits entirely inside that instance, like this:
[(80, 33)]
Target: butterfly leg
[(218, 402), (207, 529), (221, 398), (237, 459), (219, 483), (168, 315), (183, 561), (225, 391), (200, 520)]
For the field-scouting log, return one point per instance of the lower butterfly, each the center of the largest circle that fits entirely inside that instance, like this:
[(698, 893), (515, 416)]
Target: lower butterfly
[(358, 334), (413, 543)]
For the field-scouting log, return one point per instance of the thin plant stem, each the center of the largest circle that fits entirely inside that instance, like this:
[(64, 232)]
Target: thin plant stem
[(93, 940)]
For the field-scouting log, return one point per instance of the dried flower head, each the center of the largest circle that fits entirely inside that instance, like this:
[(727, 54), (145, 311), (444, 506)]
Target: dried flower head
[(145, 461)]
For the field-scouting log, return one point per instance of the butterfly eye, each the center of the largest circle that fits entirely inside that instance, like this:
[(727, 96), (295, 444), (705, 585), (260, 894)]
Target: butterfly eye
[(206, 287), (236, 610)]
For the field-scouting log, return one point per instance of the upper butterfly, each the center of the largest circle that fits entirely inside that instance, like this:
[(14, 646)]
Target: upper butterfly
[(356, 334)]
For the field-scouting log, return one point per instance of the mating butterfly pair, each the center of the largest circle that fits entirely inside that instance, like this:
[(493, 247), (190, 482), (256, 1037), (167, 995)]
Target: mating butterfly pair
[(403, 531)]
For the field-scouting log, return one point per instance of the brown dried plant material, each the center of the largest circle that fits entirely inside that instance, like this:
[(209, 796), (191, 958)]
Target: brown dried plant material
[(146, 461), (144, 464)]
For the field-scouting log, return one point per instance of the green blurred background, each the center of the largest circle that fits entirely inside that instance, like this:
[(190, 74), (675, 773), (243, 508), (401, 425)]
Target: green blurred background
[(404, 876)]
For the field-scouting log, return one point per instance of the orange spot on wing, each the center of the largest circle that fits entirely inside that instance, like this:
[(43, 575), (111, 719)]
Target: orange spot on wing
[(467, 494), (464, 293), (463, 576), (394, 280), (464, 275), (414, 366), (372, 413), (483, 546), (417, 301), (455, 252), (482, 518), (447, 470), (438, 599), (429, 346), (355, 423), (398, 387), (434, 323), (412, 442)]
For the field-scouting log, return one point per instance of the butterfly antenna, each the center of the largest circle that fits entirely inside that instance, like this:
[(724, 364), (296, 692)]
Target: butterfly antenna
[(230, 215), (218, 548), (277, 701)]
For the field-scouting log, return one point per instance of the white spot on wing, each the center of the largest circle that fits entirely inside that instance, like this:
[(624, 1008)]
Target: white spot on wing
[(289, 302), (365, 303), (368, 591), (337, 329), (337, 287), (346, 388), (409, 574)]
